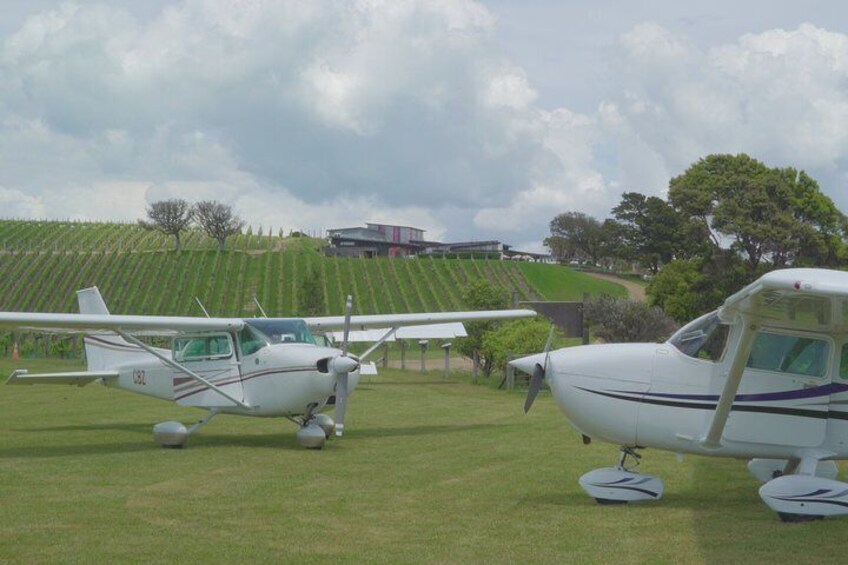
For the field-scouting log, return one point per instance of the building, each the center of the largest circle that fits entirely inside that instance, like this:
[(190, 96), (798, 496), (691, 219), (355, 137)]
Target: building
[(374, 240), (387, 240)]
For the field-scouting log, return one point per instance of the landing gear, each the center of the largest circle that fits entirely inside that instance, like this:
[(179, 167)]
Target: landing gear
[(315, 429), (174, 435), (805, 496), (620, 484)]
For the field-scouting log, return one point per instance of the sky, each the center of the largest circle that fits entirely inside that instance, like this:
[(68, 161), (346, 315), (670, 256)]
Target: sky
[(471, 120)]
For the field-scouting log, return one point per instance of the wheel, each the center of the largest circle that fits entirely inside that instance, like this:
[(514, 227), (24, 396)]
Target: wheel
[(609, 501), (790, 518)]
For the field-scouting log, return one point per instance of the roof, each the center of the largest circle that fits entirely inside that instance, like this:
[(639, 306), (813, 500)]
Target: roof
[(393, 226)]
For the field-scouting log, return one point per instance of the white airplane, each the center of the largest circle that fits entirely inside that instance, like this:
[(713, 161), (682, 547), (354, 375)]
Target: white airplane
[(263, 367), (764, 378)]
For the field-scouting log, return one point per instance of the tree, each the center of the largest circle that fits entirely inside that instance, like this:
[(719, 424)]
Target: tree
[(654, 233), (769, 215), (575, 233), (622, 320), (217, 220), (481, 295), (170, 217)]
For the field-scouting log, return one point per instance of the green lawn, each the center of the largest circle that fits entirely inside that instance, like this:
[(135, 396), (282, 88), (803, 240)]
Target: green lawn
[(561, 283), (429, 471)]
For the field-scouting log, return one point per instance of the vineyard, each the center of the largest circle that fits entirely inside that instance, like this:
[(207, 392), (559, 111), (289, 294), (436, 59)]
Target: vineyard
[(42, 264)]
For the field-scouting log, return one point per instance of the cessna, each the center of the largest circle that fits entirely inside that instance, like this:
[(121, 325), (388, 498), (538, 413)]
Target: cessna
[(763, 378), (261, 367)]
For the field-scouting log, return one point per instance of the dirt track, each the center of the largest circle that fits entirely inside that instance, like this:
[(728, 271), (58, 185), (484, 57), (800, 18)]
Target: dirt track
[(634, 290)]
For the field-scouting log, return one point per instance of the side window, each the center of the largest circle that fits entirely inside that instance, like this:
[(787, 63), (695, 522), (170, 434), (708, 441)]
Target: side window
[(797, 355), (843, 363), (198, 348)]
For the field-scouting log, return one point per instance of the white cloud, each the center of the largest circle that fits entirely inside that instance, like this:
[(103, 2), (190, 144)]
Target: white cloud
[(323, 113)]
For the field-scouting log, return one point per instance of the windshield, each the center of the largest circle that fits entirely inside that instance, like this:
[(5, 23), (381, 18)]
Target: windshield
[(283, 331), (703, 338)]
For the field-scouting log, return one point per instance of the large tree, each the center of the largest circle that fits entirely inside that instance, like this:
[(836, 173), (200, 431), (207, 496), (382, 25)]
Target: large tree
[(171, 217), (654, 232), (766, 214), (577, 234), (218, 221)]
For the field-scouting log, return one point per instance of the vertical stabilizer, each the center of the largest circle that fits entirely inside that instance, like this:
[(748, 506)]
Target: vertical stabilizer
[(90, 302), (103, 350)]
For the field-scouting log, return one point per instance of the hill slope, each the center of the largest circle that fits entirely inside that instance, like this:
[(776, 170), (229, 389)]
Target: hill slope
[(42, 264)]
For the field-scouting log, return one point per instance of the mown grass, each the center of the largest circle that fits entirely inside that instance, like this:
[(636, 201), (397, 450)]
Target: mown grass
[(429, 471), (561, 283)]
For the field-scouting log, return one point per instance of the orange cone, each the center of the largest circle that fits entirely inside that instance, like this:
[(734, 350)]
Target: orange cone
[(15, 355)]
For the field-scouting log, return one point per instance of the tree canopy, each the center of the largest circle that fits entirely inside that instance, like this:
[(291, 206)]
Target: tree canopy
[(171, 217), (217, 220)]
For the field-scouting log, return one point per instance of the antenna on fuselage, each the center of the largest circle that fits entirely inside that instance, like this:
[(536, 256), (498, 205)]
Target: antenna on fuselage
[(261, 309), (199, 303)]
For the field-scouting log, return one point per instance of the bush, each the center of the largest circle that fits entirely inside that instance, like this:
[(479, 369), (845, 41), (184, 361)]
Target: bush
[(622, 320), (521, 337)]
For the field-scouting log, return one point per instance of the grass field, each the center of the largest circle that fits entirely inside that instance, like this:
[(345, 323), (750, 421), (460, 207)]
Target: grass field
[(429, 471), (560, 283)]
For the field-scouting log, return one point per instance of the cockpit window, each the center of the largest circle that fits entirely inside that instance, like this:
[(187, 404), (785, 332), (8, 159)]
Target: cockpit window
[(704, 338), (283, 331), (251, 340)]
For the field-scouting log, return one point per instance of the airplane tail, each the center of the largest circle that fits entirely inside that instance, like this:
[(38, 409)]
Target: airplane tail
[(103, 350)]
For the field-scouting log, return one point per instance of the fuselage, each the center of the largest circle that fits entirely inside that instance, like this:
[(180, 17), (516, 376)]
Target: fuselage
[(277, 379), (791, 401)]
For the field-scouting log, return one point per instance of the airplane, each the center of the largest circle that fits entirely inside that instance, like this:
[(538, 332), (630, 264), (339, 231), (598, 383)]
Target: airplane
[(263, 367), (762, 378)]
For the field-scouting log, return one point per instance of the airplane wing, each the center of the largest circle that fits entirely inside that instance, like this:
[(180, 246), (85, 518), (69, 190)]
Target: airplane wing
[(400, 320), (78, 323), (802, 299), (81, 378)]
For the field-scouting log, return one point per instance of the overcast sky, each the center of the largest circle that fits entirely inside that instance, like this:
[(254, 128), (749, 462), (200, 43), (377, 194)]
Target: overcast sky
[(472, 120)]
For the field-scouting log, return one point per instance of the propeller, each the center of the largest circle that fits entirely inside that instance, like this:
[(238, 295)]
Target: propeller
[(539, 374), (342, 366)]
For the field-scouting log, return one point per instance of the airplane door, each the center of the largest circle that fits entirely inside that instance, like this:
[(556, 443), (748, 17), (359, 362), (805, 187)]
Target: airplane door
[(211, 356), (784, 394)]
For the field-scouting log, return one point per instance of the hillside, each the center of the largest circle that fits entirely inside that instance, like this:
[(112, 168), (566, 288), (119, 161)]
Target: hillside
[(43, 263)]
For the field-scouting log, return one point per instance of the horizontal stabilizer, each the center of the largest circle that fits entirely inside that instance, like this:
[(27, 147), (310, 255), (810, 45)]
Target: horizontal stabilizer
[(81, 378)]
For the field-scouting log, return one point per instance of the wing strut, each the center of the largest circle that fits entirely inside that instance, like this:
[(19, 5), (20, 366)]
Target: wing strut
[(379, 342), (177, 366), (734, 376)]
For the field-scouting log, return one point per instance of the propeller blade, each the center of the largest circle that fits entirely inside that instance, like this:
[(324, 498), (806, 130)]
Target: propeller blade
[(341, 402), (535, 386), (348, 311), (550, 338)]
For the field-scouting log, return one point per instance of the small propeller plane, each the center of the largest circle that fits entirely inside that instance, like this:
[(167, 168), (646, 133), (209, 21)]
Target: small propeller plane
[(265, 367), (763, 378)]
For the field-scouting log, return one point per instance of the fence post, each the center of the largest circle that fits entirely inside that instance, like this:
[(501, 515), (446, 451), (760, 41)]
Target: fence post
[(583, 319), (402, 354), (475, 365), (423, 343)]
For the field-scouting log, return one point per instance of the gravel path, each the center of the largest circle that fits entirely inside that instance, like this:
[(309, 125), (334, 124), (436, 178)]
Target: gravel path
[(634, 290)]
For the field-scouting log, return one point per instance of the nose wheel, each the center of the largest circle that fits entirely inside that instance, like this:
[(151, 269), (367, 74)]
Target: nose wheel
[(621, 484)]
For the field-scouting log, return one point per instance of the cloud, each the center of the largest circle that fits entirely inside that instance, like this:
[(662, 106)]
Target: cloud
[(777, 95), (403, 104), (326, 113)]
